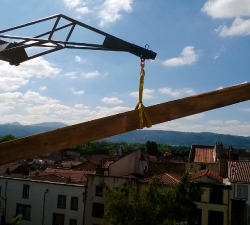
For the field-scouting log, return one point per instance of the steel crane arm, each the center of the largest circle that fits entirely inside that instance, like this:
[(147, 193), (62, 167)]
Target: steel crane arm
[(14, 52), (70, 136)]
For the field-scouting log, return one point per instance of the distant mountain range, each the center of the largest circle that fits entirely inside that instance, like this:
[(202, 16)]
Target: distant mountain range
[(138, 136), (18, 130)]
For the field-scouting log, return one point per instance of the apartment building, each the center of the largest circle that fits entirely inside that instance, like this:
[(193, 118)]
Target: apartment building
[(41, 202)]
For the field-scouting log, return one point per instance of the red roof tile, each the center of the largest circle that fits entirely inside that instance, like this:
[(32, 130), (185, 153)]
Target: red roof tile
[(69, 164), (164, 178), (204, 155), (74, 175), (11, 166), (239, 171), (210, 173)]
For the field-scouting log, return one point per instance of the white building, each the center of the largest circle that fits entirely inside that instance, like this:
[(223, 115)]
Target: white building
[(41, 202)]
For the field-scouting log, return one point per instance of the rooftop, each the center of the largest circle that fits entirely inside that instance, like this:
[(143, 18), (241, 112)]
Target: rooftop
[(204, 155), (210, 173), (164, 178), (239, 171)]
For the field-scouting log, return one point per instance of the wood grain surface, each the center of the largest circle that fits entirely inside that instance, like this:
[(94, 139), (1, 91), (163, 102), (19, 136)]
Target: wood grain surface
[(70, 136)]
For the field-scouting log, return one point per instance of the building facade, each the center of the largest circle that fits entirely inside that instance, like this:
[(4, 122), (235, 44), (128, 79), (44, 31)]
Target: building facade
[(214, 204), (41, 202), (97, 197)]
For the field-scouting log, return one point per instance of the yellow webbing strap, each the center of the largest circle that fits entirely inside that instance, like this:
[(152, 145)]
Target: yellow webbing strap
[(142, 109)]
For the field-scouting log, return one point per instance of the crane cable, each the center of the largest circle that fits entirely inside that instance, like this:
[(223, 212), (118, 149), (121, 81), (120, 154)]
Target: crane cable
[(142, 109)]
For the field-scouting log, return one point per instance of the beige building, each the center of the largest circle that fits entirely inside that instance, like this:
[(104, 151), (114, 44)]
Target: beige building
[(96, 195), (214, 205)]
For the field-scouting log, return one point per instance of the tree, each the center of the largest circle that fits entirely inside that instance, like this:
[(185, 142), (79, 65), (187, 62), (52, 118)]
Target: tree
[(155, 204), (152, 148), (8, 137)]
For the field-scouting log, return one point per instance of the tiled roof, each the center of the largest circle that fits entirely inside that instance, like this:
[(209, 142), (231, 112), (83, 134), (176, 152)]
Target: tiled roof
[(239, 171), (11, 166), (68, 164), (210, 173), (74, 175), (204, 155), (164, 178)]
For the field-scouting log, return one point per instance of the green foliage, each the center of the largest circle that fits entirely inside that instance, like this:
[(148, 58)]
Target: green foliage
[(104, 147), (17, 219), (8, 137), (152, 148), (155, 204)]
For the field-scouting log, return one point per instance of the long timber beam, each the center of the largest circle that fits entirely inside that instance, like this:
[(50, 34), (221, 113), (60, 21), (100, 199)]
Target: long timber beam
[(70, 136)]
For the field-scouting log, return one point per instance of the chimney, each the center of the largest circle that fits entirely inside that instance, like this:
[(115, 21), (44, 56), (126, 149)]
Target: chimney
[(7, 171)]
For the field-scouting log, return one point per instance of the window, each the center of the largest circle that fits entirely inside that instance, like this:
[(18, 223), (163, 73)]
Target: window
[(61, 202), (26, 190), (74, 203), (72, 222), (98, 190), (98, 210), (216, 195), (242, 191), (58, 219), (23, 210), (215, 217)]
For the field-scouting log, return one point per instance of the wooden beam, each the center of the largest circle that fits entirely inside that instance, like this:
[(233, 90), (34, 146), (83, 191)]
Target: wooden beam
[(70, 136)]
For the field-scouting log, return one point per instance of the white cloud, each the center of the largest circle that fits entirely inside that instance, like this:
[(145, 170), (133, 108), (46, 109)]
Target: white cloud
[(33, 108), (229, 9), (169, 91), (147, 94), (75, 92), (215, 126), (13, 77), (219, 88), (226, 8), (81, 106), (78, 59), (12, 83), (219, 52), (239, 27), (108, 11), (30, 97), (177, 93), (194, 117), (188, 57), (111, 10), (91, 74), (43, 88), (113, 100), (73, 3), (245, 109), (215, 122), (71, 75), (83, 10)]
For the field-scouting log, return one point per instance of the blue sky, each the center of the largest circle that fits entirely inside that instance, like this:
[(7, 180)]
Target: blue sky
[(201, 46)]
